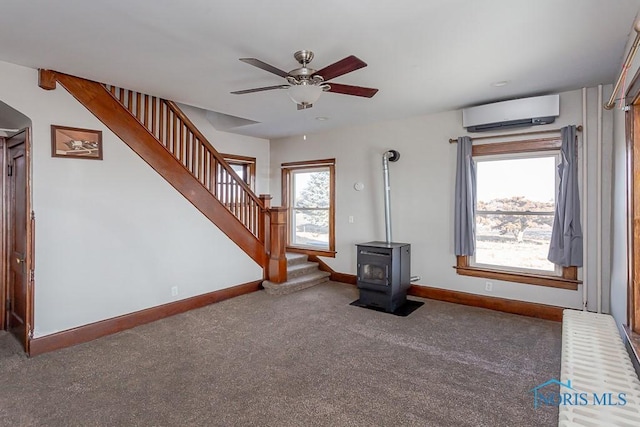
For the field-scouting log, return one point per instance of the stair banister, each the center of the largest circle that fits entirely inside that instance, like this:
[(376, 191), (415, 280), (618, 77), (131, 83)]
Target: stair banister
[(249, 220)]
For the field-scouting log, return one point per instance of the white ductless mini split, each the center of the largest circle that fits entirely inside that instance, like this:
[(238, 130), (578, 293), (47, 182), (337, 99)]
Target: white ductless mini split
[(516, 113)]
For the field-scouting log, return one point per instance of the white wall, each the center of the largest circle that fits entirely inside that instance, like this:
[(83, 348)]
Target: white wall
[(112, 237), (422, 188)]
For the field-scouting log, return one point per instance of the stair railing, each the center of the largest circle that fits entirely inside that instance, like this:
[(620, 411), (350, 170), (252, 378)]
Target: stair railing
[(183, 140), (173, 129)]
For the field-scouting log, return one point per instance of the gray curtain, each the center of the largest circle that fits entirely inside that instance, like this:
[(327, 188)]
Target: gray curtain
[(566, 236), (465, 200)]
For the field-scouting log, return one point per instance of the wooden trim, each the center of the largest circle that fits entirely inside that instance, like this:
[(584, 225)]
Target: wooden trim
[(277, 268), (526, 146), (632, 342), (632, 240), (30, 236), (332, 208), (570, 273), (630, 214), (322, 266), (307, 251), (633, 91), (549, 281), (523, 308), (238, 158), (286, 184), (4, 288), (569, 279), (308, 163), (634, 152), (249, 162), (47, 79), (632, 133), (106, 327), (350, 279), (102, 104), (335, 276)]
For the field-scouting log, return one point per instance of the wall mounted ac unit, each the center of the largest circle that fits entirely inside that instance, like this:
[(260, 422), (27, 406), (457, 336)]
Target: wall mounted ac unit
[(525, 112)]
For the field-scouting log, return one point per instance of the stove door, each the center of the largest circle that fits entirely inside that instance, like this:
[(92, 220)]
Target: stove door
[(373, 268)]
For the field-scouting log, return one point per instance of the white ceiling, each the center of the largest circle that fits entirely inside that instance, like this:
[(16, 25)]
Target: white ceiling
[(424, 55)]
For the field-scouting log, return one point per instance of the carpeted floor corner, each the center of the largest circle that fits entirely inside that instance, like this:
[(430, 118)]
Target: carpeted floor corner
[(305, 359)]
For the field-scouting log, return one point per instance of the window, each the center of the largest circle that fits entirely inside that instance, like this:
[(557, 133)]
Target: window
[(517, 184), (308, 192), (244, 166), (514, 216)]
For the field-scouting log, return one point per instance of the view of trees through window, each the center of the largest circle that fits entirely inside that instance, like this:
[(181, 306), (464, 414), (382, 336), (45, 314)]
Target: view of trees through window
[(311, 200), (514, 212)]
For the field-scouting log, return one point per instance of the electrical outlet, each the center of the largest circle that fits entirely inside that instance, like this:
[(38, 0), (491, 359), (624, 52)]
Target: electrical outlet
[(488, 286), (350, 219), (174, 291)]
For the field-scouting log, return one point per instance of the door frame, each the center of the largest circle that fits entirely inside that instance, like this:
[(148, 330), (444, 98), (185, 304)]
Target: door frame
[(29, 233)]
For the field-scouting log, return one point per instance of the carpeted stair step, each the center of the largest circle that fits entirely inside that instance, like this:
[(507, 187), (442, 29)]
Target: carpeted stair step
[(297, 283), (297, 270), (294, 259)]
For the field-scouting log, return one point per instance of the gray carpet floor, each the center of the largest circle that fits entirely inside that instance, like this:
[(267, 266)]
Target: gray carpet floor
[(305, 359)]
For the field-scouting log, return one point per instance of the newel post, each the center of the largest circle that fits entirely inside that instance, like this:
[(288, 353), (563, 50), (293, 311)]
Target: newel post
[(277, 270), (264, 226)]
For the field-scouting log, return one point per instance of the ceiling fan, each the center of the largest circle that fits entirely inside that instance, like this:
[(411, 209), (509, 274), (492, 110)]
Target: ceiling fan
[(306, 84)]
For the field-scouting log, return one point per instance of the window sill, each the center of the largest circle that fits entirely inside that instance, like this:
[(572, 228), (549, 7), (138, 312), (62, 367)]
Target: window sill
[(509, 276), (310, 251)]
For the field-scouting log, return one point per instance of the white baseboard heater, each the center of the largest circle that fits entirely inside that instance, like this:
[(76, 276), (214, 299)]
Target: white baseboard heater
[(604, 387)]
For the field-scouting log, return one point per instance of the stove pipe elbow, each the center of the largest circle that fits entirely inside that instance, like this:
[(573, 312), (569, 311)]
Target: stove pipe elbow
[(388, 156)]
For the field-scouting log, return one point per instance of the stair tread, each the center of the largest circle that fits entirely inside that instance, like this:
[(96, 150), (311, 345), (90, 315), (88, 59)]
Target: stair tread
[(302, 266), (295, 258), (308, 277), (296, 284)]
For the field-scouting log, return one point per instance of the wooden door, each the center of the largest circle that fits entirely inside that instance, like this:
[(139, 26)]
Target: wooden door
[(17, 216)]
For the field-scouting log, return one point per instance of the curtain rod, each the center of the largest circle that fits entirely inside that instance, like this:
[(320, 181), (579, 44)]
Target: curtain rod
[(453, 141), (627, 63)]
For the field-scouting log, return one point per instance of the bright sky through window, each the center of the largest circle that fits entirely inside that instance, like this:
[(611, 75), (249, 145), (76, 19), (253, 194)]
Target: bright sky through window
[(532, 178)]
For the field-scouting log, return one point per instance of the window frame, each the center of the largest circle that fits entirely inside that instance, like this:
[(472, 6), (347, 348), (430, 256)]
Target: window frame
[(248, 163), (569, 276), (286, 170), (632, 133), (557, 272)]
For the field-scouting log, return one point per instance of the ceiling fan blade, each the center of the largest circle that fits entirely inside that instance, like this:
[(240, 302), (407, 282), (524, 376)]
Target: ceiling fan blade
[(366, 92), (264, 66), (259, 89), (344, 66)]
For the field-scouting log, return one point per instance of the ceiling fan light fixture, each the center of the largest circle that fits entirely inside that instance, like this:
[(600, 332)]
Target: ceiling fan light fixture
[(304, 94)]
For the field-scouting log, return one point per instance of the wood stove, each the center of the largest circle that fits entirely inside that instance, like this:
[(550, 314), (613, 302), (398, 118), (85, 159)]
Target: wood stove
[(384, 274)]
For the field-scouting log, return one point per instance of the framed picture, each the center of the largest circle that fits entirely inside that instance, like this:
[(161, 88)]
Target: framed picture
[(76, 143)]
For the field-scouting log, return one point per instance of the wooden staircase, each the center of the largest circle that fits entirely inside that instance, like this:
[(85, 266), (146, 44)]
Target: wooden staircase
[(164, 137), (301, 274)]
